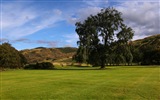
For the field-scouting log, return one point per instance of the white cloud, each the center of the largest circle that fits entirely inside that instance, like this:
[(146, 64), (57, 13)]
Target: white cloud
[(82, 14), (14, 15), (71, 39), (85, 12), (96, 2), (3, 40), (44, 43), (57, 12), (19, 20), (48, 43), (143, 17), (135, 1)]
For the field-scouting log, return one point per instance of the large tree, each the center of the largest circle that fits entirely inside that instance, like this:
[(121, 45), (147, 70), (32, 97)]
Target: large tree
[(10, 57), (100, 34)]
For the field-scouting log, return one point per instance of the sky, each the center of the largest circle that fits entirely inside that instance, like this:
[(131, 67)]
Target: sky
[(29, 24)]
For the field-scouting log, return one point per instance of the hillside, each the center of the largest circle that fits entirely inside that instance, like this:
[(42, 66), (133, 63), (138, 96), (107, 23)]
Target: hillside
[(144, 49), (151, 41), (147, 51), (40, 54)]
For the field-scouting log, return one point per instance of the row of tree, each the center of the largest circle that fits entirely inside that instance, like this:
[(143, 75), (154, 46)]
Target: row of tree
[(146, 55), (105, 40)]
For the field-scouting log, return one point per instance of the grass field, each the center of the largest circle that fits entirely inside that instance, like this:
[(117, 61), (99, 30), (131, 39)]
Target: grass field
[(113, 83)]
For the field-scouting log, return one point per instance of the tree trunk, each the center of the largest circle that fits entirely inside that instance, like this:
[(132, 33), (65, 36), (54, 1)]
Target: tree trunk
[(103, 64)]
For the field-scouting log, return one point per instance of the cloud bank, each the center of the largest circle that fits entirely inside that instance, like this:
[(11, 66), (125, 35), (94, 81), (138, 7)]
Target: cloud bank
[(22, 19), (143, 17), (19, 20)]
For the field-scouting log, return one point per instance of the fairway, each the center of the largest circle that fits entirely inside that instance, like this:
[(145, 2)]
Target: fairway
[(113, 83)]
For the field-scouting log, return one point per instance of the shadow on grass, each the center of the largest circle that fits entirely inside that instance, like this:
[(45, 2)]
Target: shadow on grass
[(85, 69), (140, 66), (77, 67)]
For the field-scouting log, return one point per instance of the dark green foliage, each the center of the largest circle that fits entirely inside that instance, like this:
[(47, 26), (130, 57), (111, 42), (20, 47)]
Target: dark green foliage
[(137, 55), (151, 57), (100, 36), (147, 51), (43, 65), (10, 57), (79, 56)]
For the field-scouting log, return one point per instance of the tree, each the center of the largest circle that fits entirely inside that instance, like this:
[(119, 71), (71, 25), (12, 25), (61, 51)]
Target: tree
[(137, 55), (79, 56), (151, 56), (10, 57), (97, 34)]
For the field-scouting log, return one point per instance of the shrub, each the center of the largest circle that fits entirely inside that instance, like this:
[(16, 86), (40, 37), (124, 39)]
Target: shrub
[(43, 65), (10, 57)]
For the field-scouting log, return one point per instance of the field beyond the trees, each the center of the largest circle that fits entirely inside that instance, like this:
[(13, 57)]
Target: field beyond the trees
[(113, 83)]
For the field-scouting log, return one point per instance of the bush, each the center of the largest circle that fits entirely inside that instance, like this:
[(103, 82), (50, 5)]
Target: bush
[(10, 57), (43, 65)]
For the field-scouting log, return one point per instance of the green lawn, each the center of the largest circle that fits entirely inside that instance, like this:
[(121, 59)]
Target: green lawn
[(113, 83)]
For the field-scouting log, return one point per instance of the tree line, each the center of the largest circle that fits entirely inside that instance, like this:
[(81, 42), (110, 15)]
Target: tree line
[(104, 39), (149, 54)]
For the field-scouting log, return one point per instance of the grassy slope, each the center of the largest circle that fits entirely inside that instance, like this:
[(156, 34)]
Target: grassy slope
[(130, 83), (153, 41), (40, 54)]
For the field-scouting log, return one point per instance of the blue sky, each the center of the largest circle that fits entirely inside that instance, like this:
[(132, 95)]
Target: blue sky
[(51, 23)]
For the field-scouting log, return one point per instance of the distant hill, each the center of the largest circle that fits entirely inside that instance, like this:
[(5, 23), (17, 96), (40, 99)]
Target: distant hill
[(67, 49), (41, 54), (146, 47), (151, 41), (147, 51)]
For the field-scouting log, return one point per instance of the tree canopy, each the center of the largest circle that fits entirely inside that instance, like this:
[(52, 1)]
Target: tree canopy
[(103, 39), (10, 57)]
